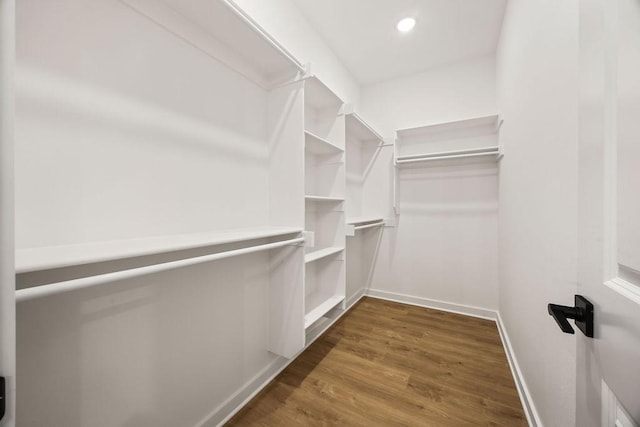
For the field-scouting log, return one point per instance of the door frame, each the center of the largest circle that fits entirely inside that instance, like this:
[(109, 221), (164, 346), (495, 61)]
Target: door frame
[(7, 269)]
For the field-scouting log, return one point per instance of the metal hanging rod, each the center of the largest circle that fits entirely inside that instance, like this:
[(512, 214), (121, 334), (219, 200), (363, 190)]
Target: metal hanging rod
[(375, 224), (427, 158), (87, 282), (487, 150)]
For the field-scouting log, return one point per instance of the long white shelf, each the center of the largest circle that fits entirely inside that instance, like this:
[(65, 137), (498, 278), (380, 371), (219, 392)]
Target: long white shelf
[(479, 125), (222, 30), (312, 198), (43, 258), (321, 304), (320, 146), (319, 253), (105, 278)]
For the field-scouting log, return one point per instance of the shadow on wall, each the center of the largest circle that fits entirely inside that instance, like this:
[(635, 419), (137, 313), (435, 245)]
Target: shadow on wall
[(159, 350)]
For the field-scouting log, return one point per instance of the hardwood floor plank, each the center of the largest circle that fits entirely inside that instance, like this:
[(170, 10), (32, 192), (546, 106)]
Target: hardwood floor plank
[(392, 364)]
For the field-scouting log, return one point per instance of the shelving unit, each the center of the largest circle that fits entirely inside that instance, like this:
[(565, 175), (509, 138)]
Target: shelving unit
[(324, 200), (461, 142), (477, 136), (364, 222), (143, 198), (324, 288), (363, 145)]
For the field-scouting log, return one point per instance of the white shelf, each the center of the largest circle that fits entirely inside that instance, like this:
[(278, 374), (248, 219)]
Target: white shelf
[(364, 220), (320, 146), (359, 129), (479, 125), (36, 259), (318, 253), (311, 198), (320, 305), (318, 95), (223, 31)]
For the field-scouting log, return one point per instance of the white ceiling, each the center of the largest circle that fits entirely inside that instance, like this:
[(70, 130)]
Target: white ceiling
[(363, 33)]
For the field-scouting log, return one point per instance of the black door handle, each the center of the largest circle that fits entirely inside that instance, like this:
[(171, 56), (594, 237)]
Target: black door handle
[(3, 398), (582, 312)]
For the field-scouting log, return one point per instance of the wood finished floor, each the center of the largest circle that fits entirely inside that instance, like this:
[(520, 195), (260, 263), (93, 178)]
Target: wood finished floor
[(390, 364)]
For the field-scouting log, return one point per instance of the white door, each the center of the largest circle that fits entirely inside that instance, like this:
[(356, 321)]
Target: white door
[(7, 287), (608, 365)]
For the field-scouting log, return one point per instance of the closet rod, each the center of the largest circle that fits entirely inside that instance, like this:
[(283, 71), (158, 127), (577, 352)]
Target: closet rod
[(375, 224), (87, 282), (445, 157), (451, 153)]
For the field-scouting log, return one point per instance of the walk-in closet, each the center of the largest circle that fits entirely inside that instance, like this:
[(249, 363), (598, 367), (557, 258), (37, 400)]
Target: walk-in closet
[(300, 213)]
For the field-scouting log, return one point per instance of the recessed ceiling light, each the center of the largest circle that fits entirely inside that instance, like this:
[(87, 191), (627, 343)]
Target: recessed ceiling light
[(406, 24)]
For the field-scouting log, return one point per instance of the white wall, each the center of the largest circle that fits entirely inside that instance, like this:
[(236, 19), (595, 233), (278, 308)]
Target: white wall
[(452, 92), (537, 69), (444, 247), (124, 134), (284, 22)]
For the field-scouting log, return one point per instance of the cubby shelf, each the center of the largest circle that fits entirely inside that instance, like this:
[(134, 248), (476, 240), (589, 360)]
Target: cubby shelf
[(318, 253), (44, 258), (321, 305), (320, 146)]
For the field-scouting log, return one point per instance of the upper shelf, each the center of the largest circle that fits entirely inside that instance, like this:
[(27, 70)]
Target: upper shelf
[(359, 129), (476, 125), (36, 259), (318, 95), (320, 146), (223, 31)]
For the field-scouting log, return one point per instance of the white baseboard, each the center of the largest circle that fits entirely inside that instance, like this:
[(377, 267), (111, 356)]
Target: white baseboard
[(483, 313), (523, 391), (354, 298), (248, 391), (231, 406)]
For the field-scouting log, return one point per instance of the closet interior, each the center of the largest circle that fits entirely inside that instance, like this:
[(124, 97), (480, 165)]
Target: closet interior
[(191, 210)]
